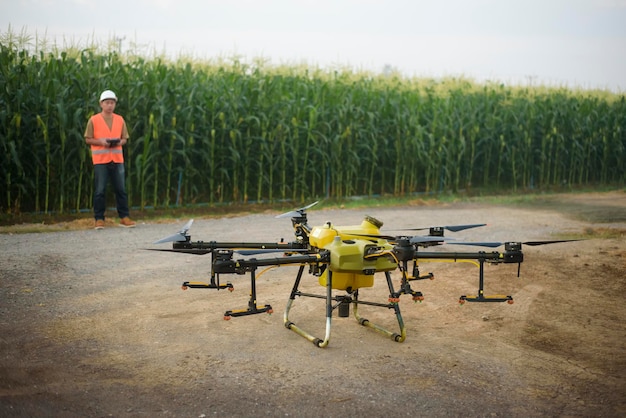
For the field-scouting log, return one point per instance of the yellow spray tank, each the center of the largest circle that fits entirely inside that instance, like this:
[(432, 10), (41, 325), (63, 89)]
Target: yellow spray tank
[(347, 246)]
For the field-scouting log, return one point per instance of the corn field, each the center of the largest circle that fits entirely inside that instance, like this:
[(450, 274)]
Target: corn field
[(212, 133)]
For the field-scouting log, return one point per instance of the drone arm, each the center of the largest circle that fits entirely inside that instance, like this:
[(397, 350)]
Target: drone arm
[(213, 245), (241, 266), (493, 257), (512, 255)]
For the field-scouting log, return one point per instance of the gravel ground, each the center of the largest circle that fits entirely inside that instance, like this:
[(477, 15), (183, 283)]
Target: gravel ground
[(92, 324)]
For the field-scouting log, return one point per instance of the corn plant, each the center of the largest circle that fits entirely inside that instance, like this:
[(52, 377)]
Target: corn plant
[(226, 131)]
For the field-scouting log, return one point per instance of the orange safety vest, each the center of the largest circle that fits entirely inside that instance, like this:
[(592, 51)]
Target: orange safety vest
[(104, 155)]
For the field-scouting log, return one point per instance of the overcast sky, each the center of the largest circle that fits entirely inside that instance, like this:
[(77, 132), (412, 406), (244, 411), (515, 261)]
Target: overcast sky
[(577, 43)]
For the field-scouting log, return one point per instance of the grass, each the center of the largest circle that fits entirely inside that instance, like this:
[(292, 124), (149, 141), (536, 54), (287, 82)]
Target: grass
[(582, 205)]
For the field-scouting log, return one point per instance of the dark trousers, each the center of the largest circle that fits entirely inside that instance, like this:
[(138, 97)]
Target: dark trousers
[(102, 174)]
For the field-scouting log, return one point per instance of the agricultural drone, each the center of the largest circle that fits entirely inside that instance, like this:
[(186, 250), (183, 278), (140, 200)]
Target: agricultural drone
[(344, 259)]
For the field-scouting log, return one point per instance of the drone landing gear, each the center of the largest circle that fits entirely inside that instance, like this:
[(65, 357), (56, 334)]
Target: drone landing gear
[(253, 308), (201, 285), (481, 293), (483, 298), (342, 303), (394, 298), (329, 311)]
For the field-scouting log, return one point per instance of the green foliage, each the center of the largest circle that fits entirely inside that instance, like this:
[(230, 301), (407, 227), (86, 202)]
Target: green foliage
[(223, 132)]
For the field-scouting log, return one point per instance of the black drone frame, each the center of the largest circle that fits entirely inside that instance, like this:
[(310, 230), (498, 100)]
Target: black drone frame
[(405, 253)]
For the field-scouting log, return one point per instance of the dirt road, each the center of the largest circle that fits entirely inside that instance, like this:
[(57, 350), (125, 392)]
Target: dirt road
[(91, 324)]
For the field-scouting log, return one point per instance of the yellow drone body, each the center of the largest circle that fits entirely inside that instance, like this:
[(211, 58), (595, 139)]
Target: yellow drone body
[(348, 246), (343, 281)]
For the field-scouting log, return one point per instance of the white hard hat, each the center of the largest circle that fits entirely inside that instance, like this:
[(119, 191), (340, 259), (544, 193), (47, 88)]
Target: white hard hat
[(108, 94)]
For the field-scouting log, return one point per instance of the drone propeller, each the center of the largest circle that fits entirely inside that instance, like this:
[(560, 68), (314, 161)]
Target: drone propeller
[(416, 239), (194, 251), (426, 239), (180, 236), (497, 244), (244, 252), (452, 228), (297, 212)]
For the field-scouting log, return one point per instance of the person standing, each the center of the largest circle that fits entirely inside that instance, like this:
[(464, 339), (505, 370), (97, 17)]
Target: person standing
[(106, 133)]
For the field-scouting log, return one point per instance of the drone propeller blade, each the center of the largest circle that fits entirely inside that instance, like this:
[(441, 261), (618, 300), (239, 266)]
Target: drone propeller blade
[(425, 239), (193, 251), (479, 244), (452, 228), (535, 243), (180, 236), (187, 226), (297, 212), (456, 228), (497, 244), (417, 239)]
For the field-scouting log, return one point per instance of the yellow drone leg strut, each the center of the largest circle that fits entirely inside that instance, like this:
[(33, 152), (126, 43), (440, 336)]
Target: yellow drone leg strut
[(395, 306), (329, 310), (342, 302)]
